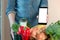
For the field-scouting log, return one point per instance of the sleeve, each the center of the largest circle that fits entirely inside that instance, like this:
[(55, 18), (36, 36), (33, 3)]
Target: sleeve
[(10, 7), (43, 3)]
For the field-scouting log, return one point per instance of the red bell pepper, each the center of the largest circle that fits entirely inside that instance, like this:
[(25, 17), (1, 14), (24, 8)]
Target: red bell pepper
[(20, 30), (25, 32)]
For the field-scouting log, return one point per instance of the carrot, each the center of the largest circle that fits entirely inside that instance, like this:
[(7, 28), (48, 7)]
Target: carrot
[(41, 36)]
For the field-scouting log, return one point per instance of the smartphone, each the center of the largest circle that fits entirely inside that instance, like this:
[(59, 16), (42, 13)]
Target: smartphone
[(42, 17)]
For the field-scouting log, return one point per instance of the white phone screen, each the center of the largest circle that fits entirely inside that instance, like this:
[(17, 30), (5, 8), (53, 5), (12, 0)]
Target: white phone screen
[(42, 15)]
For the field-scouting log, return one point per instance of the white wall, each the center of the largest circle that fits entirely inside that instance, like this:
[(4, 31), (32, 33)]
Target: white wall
[(54, 10)]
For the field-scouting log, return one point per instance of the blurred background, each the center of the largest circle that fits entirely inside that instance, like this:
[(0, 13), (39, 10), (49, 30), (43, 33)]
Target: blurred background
[(53, 15)]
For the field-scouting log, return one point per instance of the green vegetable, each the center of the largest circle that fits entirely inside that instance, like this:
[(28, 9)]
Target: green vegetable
[(51, 37), (53, 30), (15, 27), (56, 38)]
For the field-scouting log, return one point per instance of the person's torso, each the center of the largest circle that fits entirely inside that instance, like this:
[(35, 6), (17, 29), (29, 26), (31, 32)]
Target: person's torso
[(28, 9)]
